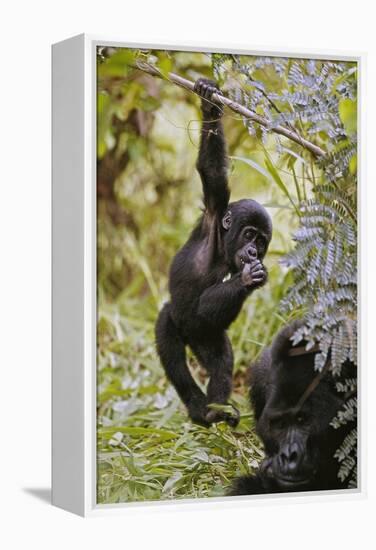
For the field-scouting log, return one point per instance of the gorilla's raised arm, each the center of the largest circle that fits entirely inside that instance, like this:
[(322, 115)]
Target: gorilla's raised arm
[(212, 158)]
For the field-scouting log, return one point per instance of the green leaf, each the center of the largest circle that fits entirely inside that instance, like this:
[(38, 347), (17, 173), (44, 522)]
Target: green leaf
[(118, 64), (136, 432), (165, 65), (293, 154), (229, 409), (172, 481), (254, 165), (348, 113), (276, 177), (353, 164)]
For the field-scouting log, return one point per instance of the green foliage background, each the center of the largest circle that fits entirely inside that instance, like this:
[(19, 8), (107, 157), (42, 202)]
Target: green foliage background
[(149, 197)]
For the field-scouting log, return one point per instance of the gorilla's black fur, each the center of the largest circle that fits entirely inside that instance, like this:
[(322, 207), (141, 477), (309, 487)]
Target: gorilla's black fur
[(294, 405), (211, 276)]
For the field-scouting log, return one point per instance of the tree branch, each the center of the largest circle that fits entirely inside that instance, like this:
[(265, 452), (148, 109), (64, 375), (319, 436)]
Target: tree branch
[(236, 107)]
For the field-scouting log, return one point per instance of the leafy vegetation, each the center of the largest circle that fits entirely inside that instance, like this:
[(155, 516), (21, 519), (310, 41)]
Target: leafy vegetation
[(149, 197)]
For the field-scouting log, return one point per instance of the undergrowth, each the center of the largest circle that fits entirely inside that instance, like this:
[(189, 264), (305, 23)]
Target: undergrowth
[(148, 449)]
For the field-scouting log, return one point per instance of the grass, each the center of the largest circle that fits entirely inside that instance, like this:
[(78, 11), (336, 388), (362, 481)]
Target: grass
[(148, 449)]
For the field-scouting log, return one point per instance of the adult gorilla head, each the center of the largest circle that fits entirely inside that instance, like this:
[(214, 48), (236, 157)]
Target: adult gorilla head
[(294, 406)]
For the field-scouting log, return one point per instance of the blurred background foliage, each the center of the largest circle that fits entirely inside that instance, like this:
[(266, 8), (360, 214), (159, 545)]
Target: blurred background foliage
[(148, 199)]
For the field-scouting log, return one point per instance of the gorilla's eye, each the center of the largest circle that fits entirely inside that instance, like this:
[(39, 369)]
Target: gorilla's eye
[(278, 422), (301, 418), (250, 234)]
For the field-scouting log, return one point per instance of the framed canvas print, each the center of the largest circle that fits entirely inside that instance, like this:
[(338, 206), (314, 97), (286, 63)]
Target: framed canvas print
[(205, 274)]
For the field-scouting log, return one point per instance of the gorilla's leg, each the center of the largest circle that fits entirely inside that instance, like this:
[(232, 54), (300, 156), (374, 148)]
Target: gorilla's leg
[(217, 359), (171, 350)]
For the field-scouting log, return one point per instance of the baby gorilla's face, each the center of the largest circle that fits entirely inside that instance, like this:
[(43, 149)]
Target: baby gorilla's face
[(251, 246), (248, 231), (245, 247)]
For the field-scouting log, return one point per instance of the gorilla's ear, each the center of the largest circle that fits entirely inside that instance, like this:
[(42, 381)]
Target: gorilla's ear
[(227, 220)]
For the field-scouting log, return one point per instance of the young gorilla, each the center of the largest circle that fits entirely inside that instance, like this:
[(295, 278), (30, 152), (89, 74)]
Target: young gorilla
[(294, 405), (211, 276)]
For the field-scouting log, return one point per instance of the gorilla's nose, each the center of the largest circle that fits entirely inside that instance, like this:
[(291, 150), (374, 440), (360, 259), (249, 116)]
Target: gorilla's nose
[(289, 458), (251, 252)]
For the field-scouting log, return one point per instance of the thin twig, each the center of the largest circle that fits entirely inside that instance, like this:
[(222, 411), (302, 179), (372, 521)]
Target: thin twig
[(234, 106), (312, 386)]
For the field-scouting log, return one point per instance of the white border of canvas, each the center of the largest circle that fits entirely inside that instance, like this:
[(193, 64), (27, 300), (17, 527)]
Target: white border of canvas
[(74, 370)]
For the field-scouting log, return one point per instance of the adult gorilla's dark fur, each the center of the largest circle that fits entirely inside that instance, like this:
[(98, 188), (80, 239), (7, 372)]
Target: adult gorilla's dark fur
[(294, 406), (211, 276)]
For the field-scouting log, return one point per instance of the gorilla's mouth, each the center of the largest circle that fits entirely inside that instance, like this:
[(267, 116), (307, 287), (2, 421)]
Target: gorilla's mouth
[(285, 482), (240, 261), (292, 481)]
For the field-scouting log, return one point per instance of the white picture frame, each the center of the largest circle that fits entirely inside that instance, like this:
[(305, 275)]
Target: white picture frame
[(74, 276)]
